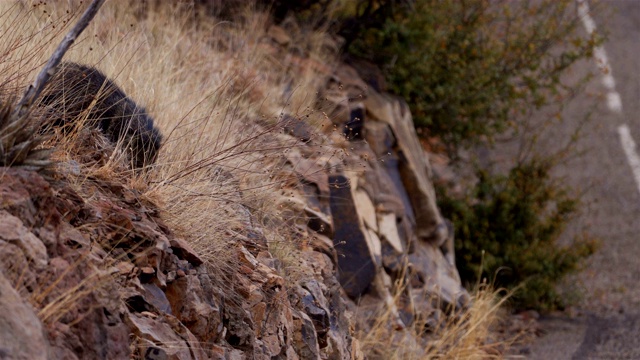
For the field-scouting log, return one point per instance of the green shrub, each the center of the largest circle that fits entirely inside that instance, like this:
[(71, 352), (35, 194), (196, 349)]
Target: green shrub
[(507, 229), (469, 68)]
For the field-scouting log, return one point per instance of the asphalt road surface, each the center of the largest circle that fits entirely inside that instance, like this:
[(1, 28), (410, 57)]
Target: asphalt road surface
[(605, 323)]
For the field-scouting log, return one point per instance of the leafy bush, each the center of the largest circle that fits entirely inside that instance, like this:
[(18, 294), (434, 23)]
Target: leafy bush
[(469, 68), (507, 227)]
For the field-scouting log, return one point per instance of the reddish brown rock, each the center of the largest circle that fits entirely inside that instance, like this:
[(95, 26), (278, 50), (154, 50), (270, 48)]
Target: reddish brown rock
[(193, 302), (184, 251), (21, 334), (157, 339), (12, 231)]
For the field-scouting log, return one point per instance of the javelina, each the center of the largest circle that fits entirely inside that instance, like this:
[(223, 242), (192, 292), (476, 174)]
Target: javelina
[(82, 92)]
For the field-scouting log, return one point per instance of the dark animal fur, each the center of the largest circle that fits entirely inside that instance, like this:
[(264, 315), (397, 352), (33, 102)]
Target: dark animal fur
[(78, 91)]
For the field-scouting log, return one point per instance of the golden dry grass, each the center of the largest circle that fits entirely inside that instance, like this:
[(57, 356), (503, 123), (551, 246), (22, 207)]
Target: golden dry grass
[(461, 334), (206, 83)]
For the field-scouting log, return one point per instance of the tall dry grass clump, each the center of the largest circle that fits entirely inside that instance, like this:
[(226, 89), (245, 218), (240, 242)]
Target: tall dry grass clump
[(216, 89), (460, 334)]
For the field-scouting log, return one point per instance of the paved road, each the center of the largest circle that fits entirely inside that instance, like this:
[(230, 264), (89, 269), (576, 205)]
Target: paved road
[(608, 324), (607, 320)]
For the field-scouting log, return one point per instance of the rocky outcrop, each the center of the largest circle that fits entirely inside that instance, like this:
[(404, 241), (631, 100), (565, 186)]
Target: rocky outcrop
[(112, 281), (382, 206), (104, 277)]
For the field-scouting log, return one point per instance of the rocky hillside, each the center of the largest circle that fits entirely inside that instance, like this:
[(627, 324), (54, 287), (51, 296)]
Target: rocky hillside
[(316, 248)]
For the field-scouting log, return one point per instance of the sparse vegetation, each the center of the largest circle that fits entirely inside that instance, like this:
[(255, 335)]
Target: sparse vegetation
[(206, 83), (462, 334), (470, 69), (508, 227), (18, 144)]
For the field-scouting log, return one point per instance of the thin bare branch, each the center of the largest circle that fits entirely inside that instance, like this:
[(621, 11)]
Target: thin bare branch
[(34, 90)]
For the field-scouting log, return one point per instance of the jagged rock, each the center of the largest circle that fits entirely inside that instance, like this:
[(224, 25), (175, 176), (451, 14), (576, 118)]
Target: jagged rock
[(381, 187), (193, 302), (347, 77), (265, 324), (273, 323), (448, 248), (392, 261), (73, 238), (305, 339), (366, 209), (413, 166), (311, 170), (340, 343), (15, 265), (152, 352), (155, 296), (315, 306), (239, 328), (344, 92), (375, 246), (324, 245), (159, 339), (389, 231), (380, 138), (291, 210), (434, 277), (314, 198), (21, 334), (369, 72), (355, 259), (13, 231), (184, 251), (97, 331), (385, 183), (384, 287), (319, 222), (15, 191), (329, 312)]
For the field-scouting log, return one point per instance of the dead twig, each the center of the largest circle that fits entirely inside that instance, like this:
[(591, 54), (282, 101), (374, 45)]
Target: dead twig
[(34, 90)]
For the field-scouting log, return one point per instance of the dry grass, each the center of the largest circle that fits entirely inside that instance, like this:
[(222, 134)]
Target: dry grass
[(461, 334), (56, 299), (19, 146), (206, 83)]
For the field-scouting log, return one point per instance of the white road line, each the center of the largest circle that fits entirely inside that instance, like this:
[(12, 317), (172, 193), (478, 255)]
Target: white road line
[(602, 61), (614, 102), (629, 147)]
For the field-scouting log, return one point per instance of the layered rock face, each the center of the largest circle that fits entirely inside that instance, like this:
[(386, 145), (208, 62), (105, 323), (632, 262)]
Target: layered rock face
[(104, 277), (378, 202)]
